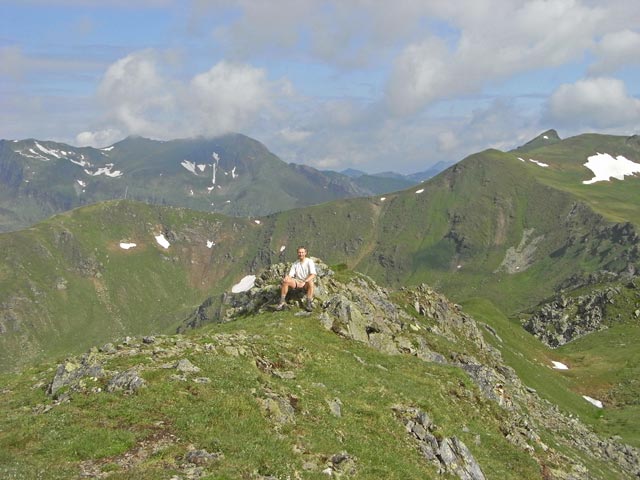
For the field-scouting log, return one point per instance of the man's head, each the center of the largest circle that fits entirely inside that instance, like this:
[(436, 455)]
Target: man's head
[(302, 253)]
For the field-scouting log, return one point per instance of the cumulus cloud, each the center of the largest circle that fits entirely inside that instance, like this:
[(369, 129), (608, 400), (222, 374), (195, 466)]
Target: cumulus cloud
[(594, 103), (496, 40), (615, 50), (101, 138), (140, 97), (227, 97)]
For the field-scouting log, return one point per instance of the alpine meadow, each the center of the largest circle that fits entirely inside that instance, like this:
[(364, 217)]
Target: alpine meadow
[(481, 324)]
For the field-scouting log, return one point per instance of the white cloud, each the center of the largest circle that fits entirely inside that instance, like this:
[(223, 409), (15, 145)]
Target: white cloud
[(101, 138), (227, 97), (140, 97), (615, 50), (496, 40), (291, 135), (595, 103)]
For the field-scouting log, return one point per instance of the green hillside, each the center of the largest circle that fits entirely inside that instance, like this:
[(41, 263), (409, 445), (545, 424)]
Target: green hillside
[(298, 395)]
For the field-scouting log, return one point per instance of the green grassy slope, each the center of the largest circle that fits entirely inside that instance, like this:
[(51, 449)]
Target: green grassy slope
[(224, 408)]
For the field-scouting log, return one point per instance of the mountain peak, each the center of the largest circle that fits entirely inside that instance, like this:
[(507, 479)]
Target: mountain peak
[(545, 138)]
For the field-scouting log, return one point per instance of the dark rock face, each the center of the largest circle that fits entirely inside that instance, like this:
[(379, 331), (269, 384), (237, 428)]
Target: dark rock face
[(567, 318)]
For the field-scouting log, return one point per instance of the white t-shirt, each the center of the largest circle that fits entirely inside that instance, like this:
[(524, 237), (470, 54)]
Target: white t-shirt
[(302, 270)]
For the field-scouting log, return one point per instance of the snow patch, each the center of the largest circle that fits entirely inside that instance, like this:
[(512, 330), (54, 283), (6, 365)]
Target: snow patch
[(201, 167), (257, 222), (233, 173), (210, 244), (521, 159), (538, 163), (245, 284), (593, 401), (545, 137), (107, 149), (559, 365), (82, 162), (163, 242), (604, 167), (126, 245), (53, 153), (191, 166), (282, 248), (382, 199), (81, 183), (420, 191), (106, 170)]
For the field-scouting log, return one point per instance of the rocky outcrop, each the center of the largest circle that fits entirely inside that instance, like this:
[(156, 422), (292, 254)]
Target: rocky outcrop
[(448, 454), (567, 318)]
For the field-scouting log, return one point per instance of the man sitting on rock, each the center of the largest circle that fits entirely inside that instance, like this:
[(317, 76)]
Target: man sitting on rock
[(301, 276)]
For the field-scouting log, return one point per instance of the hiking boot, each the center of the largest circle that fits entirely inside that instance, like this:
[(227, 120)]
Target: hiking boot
[(281, 306), (308, 305)]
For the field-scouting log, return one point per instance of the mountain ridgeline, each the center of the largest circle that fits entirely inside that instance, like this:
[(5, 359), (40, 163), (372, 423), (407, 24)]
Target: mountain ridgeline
[(232, 174), (502, 234)]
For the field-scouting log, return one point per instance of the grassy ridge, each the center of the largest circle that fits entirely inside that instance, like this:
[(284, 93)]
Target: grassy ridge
[(157, 426)]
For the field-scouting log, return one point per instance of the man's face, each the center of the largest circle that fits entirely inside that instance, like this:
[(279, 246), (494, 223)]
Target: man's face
[(302, 253)]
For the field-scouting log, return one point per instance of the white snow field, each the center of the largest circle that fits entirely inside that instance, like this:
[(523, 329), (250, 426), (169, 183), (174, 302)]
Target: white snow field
[(605, 167), (245, 284)]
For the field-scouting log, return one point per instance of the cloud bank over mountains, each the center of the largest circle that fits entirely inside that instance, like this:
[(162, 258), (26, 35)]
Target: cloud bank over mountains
[(333, 84)]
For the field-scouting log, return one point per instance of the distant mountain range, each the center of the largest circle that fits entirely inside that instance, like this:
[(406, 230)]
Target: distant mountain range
[(231, 174)]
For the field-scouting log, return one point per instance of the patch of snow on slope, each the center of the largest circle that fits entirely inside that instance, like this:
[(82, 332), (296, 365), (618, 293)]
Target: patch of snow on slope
[(559, 366), (282, 248), (106, 170), (233, 173), (126, 245), (593, 401), (382, 199), (420, 191), (257, 222), (538, 163), (201, 167), (210, 244), (604, 167), (31, 153), (245, 284), (82, 162), (107, 149), (521, 159), (53, 153), (163, 242), (191, 166)]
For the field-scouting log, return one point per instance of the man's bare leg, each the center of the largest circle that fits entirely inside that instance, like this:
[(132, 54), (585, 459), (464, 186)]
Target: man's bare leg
[(287, 283)]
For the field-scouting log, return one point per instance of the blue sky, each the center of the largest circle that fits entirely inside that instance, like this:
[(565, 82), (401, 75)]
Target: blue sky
[(366, 84)]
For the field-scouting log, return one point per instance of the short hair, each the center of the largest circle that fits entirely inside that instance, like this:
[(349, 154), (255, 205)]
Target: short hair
[(302, 247)]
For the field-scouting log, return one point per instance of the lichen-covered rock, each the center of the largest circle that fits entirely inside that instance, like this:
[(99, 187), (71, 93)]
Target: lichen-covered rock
[(70, 373), (128, 382)]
